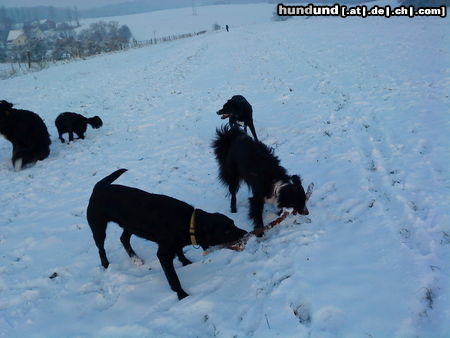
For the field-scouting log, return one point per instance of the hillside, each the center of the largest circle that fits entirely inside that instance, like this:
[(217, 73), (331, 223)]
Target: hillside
[(360, 107), (162, 23)]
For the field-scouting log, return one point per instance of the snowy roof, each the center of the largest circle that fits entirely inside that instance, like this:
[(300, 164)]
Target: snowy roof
[(14, 34), (45, 21)]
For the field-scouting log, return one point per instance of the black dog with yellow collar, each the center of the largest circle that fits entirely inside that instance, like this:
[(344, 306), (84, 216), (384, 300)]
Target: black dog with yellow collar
[(171, 223)]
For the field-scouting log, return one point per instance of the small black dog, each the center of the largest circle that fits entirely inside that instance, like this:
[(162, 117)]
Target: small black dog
[(242, 159), (238, 110), (171, 223), (75, 123), (27, 133)]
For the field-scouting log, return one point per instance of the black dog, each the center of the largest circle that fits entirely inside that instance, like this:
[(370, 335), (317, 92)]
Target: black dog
[(27, 133), (237, 109), (75, 123), (242, 159), (171, 223)]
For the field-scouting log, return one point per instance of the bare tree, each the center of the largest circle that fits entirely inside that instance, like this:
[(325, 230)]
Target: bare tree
[(3, 15), (124, 34), (75, 10), (69, 15), (104, 37), (51, 13)]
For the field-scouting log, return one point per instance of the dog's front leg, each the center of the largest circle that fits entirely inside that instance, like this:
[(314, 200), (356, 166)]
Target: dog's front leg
[(256, 211), (166, 256)]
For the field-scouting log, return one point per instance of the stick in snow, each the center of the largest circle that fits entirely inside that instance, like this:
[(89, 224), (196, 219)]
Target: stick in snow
[(239, 245)]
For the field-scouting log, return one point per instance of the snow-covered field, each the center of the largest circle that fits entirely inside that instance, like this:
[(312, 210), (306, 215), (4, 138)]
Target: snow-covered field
[(358, 106), (162, 23)]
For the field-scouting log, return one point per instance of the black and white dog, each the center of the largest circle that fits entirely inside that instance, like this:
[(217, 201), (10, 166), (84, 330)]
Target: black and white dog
[(239, 111), (27, 133), (171, 223), (75, 123), (242, 159)]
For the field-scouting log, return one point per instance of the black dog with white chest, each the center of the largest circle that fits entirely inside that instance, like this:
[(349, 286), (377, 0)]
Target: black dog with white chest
[(75, 123), (242, 159), (27, 133), (238, 110), (171, 223)]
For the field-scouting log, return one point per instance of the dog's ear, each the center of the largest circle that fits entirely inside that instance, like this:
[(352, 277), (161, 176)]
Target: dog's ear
[(296, 180), (230, 105), (236, 106), (202, 229), (5, 104)]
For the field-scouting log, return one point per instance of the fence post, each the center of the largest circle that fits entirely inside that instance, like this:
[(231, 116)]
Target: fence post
[(29, 59)]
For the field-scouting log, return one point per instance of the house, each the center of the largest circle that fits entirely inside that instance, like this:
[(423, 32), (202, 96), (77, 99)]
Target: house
[(36, 34), (16, 37)]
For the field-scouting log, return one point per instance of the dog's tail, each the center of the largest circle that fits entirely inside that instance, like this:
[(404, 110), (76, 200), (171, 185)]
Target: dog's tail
[(109, 179), (222, 143), (95, 122)]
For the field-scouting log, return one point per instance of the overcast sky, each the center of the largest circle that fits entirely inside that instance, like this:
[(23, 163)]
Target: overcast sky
[(81, 4)]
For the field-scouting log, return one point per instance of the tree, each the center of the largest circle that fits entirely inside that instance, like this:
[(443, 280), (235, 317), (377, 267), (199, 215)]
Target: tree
[(51, 13), (3, 15), (37, 48), (27, 29), (15, 13), (124, 34), (75, 10), (5, 25), (34, 14), (3, 54), (66, 48), (104, 37), (69, 15)]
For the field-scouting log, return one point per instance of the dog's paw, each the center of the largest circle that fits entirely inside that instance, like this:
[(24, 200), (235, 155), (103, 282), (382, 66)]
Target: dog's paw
[(137, 260), (186, 262), (233, 210), (18, 164), (259, 228), (181, 294)]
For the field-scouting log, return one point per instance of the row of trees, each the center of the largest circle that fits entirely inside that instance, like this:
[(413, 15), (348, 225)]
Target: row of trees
[(98, 38)]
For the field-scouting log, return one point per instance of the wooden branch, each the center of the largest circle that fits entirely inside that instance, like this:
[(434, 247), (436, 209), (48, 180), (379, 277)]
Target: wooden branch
[(239, 245)]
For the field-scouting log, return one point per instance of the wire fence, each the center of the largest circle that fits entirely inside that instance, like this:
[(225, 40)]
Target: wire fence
[(23, 66)]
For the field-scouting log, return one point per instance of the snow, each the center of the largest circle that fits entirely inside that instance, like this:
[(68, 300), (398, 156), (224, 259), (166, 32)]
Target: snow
[(14, 34), (145, 26), (360, 107)]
